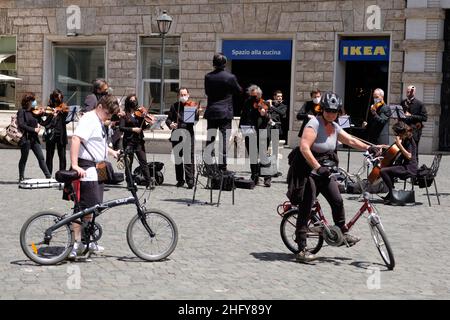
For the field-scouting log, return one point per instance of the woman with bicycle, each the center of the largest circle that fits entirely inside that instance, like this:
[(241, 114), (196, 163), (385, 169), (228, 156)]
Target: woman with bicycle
[(89, 146), (317, 155), (406, 165)]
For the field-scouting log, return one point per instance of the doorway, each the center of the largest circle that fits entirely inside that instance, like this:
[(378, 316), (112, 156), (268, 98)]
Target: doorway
[(362, 77), (269, 75)]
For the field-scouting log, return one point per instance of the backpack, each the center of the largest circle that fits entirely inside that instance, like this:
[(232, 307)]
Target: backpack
[(13, 133)]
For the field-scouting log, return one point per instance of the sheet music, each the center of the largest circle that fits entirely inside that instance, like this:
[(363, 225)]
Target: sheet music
[(160, 119), (189, 114), (397, 111), (344, 121)]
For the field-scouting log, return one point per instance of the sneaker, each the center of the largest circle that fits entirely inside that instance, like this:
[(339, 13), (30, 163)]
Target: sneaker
[(267, 182), (77, 249), (93, 247), (351, 240), (304, 256)]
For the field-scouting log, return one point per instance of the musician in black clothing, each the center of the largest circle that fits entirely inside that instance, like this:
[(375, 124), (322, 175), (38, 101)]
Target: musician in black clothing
[(183, 132), (30, 126), (255, 114), (55, 131), (133, 127), (310, 109), (100, 88), (220, 86), (406, 165), (277, 111), (415, 112)]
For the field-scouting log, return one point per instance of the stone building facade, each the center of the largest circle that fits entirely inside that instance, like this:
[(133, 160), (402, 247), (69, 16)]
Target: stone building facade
[(122, 29)]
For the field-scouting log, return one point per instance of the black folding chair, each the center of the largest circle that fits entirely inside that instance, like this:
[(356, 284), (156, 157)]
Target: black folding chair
[(212, 172), (425, 180)]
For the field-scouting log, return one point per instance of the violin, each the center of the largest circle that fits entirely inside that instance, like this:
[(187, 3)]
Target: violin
[(376, 106), (389, 156), (261, 105), (40, 111), (142, 112), (62, 108)]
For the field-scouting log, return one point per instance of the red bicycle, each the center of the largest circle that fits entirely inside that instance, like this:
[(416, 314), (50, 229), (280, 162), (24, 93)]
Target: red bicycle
[(319, 229)]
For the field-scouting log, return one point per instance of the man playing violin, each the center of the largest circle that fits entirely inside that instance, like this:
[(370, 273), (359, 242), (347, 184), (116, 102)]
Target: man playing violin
[(55, 134), (183, 132), (377, 125), (256, 115), (310, 109), (415, 112), (133, 124), (406, 164)]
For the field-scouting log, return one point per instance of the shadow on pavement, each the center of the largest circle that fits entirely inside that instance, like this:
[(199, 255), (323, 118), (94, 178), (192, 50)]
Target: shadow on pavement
[(273, 256), (369, 265), (30, 263), (9, 182)]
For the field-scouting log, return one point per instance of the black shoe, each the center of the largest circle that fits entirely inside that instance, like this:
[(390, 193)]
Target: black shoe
[(255, 180), (190, 186), (180, 184), (21, 179), (267, 182)]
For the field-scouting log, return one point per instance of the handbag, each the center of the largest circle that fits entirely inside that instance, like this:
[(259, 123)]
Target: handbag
[(13, 133), (105, 171), (402, 197)]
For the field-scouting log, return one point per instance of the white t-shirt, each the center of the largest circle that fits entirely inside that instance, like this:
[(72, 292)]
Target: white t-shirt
[(90, 130)]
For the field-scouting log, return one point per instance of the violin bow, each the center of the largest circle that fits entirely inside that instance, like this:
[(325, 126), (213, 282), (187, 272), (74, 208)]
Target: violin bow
[(368, 107)]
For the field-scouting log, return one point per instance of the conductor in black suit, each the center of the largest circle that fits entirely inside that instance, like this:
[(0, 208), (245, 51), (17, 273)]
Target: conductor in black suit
[(99, 89), (220, 86)]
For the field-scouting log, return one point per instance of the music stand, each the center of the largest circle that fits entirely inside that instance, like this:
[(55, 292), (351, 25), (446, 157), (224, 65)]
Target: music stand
[(345, 123)]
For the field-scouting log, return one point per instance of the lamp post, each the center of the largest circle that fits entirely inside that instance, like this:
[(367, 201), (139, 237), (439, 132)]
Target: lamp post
[(164, 22)]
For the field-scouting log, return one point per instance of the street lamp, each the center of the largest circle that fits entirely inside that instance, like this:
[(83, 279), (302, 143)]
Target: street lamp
[(164, 22)]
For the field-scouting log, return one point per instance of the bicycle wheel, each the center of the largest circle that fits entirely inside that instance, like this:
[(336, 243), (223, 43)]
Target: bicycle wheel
[(32, 239), (382, 244), (156, 247), (287, 231)]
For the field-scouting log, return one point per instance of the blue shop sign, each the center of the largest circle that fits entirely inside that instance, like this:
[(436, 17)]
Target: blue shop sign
[(257, 49), (364, 50)]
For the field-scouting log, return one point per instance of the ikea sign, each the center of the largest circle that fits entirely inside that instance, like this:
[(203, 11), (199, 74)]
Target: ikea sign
[(364, 50)]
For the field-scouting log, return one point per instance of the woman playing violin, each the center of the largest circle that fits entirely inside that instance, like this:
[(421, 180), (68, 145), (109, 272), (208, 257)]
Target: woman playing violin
[(133, 124), (55, 134), (30, 126), (175, 121), (406, 164), (255, 114)]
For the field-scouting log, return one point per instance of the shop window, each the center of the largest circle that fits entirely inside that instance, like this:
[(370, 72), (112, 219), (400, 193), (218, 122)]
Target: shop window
[(8, 72), (151, 72), (75, 67)]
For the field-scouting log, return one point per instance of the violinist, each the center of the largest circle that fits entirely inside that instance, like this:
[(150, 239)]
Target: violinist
[(133, 124), (415, 112), (100, 88), (310, 109), (406, 164), (183, 132), (255, 114), (29, 123), (377, 125), (55, 134)]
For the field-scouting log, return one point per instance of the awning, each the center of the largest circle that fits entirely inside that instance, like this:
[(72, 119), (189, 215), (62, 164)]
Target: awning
[(4, 77)]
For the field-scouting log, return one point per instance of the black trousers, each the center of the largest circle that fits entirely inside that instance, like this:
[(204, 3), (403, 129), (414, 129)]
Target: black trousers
[(254, 165), (223, 125), (184, 163), (389, 173), (330, 190), (139, 151), (50, 152), (91, 192), (25, 147)]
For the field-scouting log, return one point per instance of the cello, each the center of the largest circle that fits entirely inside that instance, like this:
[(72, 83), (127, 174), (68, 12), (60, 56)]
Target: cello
[(389, 156)]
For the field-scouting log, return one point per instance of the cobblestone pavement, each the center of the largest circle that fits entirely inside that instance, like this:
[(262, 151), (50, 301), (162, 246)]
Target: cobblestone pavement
[(229, 252)]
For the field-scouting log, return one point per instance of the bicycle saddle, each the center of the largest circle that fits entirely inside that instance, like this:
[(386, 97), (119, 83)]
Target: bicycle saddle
[(66, 176)]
